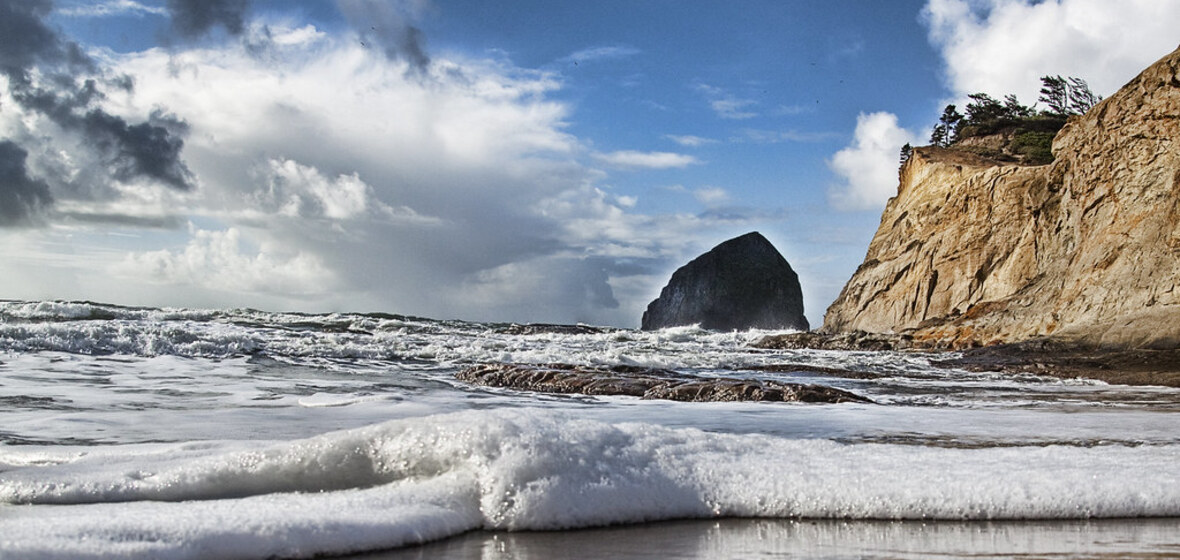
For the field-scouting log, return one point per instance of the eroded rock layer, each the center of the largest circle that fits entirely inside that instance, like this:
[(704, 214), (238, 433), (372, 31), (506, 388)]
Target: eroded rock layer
[(1087, 249), (647, 383)]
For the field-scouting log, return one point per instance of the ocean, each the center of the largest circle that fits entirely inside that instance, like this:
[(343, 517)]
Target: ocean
[(185, 433)]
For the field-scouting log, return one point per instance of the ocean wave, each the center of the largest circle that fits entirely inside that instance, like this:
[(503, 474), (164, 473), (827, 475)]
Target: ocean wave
[(98, 329), (418, 479)]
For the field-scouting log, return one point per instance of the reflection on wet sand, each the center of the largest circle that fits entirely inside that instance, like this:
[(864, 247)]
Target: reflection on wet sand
[(773, 538)]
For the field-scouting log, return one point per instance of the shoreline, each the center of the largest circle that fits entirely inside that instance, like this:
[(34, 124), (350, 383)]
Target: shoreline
[(1144, 538), (1115, 366), (1043, 357)]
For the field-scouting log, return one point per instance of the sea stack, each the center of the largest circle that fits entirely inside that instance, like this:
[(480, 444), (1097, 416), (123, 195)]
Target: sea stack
[(741, 284), (1085, 250)]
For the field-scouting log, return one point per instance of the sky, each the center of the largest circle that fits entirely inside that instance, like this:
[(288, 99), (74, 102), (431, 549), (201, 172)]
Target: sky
[(523, 161)]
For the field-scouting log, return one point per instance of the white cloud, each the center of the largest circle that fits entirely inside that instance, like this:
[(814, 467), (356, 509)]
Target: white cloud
[(690, 140), (214, 260), (727, 105), (297, 190), (648, 160), (290, 189), (403, 185), (329, 175), (287, 36), (711, 196), (602, 53), (868, 166), (325, 166), (733, 108), (1005, 46)]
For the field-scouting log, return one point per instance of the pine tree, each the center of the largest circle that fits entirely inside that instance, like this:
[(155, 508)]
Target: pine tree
[(984, 109), (1013, 110), (950, 121), (1081, 99), (938, 135), (1067, 96), (946, 132), (907, 151), (1055, 95)]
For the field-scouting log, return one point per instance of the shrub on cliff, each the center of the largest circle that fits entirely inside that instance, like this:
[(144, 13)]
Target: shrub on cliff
[(1034, 146)]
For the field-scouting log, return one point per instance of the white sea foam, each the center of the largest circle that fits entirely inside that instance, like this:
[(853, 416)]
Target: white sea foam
[(173, 433), (423, 478)]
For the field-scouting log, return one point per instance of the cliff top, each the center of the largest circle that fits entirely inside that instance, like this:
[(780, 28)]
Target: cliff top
[(976, 250)]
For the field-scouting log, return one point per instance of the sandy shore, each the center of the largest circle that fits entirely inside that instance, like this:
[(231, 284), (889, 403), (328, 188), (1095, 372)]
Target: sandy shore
[(773, 538)]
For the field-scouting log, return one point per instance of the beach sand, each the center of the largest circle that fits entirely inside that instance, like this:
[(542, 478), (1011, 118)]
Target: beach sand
[(1153, 538)]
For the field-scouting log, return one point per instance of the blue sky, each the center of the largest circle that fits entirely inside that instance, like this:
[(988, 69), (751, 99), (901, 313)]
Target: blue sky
[(519, 161)]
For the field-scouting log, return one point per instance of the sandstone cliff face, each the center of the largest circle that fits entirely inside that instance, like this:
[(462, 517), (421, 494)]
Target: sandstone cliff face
[(1086, 249)]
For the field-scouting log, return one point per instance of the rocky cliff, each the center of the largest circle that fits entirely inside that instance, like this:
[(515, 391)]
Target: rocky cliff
[(1086, 249)]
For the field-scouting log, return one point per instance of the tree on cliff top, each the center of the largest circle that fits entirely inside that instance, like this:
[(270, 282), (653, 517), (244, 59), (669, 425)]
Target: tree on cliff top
[(1067, 96), (987, 115), (947, 130), (1029, 132)]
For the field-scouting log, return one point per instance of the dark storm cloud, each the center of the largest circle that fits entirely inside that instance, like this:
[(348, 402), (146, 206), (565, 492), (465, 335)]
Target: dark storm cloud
[(193, 18), (388, 25), (106, 218), (22, 198), (142, 151), (147, 151), (25, 40)]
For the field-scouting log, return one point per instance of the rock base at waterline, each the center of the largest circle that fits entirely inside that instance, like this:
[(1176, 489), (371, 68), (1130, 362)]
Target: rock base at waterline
[(647, 383)]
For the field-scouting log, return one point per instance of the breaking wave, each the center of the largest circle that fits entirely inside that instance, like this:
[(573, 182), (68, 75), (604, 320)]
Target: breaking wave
[(412, 480)]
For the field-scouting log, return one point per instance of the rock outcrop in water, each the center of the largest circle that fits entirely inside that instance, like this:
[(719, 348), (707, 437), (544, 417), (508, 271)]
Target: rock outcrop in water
[(1085, 250), (647, 383), (740, 284)]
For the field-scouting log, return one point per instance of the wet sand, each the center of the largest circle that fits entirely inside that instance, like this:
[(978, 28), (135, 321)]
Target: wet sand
[(1153, 538)]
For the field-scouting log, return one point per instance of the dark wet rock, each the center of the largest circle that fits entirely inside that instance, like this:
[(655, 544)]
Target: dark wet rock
[(740, 284), (545, 328), (817, 370), (647, 383), (1053, 358), (1045, 357), (726, 390), (851, 341)]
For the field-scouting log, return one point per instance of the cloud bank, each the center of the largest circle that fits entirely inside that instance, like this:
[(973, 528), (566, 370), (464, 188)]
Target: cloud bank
[(58, 128), (321, 171)]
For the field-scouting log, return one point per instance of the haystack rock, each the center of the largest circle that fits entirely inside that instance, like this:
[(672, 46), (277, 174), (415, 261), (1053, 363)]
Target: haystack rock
[(1084, 250), (740, 284)]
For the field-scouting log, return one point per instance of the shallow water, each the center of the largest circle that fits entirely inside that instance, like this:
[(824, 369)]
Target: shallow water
[(1104, 539), (192, 433)]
